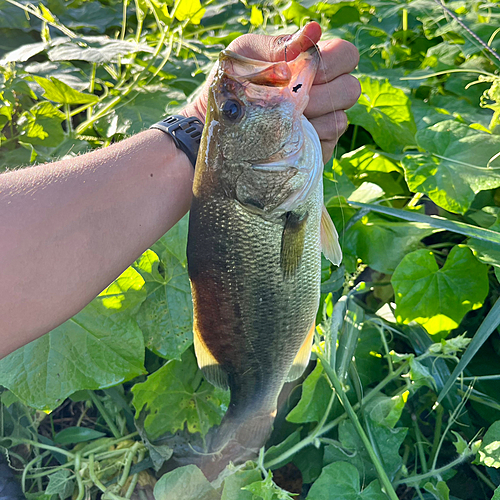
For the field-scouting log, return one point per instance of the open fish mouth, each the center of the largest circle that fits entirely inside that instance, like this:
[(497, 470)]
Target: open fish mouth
[(294, 77)]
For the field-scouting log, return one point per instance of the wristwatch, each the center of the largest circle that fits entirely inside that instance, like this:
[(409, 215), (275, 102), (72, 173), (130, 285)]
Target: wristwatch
[(186, 133)]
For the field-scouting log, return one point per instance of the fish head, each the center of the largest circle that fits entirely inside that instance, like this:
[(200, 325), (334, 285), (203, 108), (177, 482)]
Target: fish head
[(256, 106)]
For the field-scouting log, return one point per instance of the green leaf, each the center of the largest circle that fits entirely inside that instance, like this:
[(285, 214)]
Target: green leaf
[(496, 495), (456, 165), (489, 451), (267, 489), (71, 435), (485, 251), (95, 49), (440, 491), (420, 375), (59, 92), (189, 9), (41, 125), (340, 480), (460, 444), (434, 221), (234, 483), (134, 115), (127, 292), (23, 53), (316, 393), (387, 411), (166, 317), (175, 395), (186, 483), (487, 327), (436, 298), (275, 451), (385, 440), (256, 17), (60, 483), (372, 235), (97, 348), (385, 112)]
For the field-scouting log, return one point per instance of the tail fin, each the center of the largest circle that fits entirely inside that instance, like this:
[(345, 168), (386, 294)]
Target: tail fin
[(237, 440)]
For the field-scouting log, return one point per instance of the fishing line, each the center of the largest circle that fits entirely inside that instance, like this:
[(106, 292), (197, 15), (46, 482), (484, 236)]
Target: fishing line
[(335, 148)]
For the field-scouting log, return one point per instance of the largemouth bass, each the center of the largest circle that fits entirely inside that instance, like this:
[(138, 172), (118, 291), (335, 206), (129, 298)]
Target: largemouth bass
[(254, 245)]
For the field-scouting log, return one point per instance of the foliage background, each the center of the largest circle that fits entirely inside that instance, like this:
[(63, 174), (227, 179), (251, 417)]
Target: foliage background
[(414, 190)]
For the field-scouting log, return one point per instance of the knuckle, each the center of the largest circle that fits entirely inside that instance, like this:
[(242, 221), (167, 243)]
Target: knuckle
[(341, 123), (351, 54), (352, 88)]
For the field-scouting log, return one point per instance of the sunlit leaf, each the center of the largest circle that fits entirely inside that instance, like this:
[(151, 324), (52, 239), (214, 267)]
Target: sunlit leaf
[(42, 125), (189, 9), (166, 317), (489, 451), (175, 395), (59, 92), (96, 49), (437, 298)]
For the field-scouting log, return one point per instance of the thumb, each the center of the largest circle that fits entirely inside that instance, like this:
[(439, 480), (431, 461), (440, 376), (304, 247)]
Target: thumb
[(277, 48)]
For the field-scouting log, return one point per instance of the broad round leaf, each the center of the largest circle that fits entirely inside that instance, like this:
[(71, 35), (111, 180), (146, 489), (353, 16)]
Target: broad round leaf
[(436, 298)]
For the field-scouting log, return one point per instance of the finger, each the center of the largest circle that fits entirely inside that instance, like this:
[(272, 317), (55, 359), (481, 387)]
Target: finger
[(339, 94), (329, 128), (277, 48), (327, 149), (337, 57)]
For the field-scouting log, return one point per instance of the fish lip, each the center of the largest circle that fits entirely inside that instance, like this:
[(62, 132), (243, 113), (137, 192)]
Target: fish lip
[(301, 70)]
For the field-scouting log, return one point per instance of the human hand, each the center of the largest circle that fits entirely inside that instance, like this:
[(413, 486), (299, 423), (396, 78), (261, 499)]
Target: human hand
[(334, 90)]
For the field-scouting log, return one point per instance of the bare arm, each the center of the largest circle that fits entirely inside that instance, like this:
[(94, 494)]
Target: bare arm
[(69, 228)]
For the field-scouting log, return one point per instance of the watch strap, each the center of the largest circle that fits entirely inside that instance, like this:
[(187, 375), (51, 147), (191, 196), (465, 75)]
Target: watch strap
[(186, 133)]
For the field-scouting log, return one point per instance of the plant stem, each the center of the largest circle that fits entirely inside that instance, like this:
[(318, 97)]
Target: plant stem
[(79, 482), (135, 477), (105, 415), (124, 19), (354, 136), (437, 433), (128, 463), (405, 26), (110, 443), (433, 472), (309, 440), (68, 119), (418, 440), (484, 478), (384, 480)]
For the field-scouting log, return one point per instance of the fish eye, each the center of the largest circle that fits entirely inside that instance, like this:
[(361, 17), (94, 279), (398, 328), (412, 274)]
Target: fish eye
[(232, 110)]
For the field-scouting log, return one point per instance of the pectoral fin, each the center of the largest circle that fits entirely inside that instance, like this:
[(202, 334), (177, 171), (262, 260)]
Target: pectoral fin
[(302, 359), (292, 242), (330, 239), (210, 367)]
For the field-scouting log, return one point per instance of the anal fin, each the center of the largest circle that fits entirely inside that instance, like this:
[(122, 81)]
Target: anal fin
[(330, 239), (302, 358), (207, 363)]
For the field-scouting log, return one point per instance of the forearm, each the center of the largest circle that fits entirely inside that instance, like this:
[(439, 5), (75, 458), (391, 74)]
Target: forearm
[(69, 228)]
